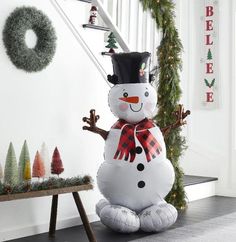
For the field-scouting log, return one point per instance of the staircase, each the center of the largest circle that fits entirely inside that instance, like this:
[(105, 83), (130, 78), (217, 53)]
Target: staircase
[(130, 36), (199, 187), (117, 16)]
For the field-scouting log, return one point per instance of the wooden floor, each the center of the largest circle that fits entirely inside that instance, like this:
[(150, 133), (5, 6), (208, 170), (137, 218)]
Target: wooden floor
[(197, 211)]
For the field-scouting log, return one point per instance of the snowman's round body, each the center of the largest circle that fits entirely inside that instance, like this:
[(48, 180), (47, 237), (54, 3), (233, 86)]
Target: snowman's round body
[(138, 184), (136, 175)]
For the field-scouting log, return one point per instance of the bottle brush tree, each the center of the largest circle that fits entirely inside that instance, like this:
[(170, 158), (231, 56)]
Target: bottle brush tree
[(38, 166), (10, 171), (24, 157), (111, 43), (56, 165), (44, 154), (1, 173), (27, 171)]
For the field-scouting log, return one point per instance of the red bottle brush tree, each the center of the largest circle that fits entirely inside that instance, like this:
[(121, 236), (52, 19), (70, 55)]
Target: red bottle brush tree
[(56, 165), (38, 166)]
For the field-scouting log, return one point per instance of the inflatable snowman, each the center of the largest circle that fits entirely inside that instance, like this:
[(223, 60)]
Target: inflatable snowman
[(136, 175)]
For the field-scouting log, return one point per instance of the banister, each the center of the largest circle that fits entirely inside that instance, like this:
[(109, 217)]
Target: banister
[(109, 23), (79, 38)]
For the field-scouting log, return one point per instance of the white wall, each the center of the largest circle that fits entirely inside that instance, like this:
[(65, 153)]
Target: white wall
[(49, 106), (208, 132)]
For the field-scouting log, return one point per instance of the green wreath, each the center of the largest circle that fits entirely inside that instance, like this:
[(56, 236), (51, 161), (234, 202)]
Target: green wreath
[(29, 59)]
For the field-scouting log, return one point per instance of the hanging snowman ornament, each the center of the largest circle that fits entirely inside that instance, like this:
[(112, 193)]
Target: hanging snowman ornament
[(93, 15), (136, 175)]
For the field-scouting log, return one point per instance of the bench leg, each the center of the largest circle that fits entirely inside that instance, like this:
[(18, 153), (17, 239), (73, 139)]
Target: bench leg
[(53, 219), (84, 217)]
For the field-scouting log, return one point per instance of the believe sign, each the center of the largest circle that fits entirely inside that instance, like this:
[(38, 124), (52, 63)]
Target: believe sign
[(207, 75)]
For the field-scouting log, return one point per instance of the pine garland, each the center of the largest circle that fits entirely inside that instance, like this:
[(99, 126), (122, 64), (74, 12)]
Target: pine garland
[(169, 92), (51, 183)]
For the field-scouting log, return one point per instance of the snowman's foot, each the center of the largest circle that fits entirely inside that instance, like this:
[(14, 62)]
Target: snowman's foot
[(100, 205), (120, 219), (158, 217)]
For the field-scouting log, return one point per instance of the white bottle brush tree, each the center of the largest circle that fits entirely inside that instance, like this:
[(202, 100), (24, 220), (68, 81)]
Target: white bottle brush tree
[(44, 154)]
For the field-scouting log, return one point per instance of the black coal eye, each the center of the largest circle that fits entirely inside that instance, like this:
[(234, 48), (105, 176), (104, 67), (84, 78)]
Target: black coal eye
[(125, 94), (146, 94)]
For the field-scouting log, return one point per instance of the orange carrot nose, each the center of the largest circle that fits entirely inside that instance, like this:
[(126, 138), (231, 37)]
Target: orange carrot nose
[(130, 99)]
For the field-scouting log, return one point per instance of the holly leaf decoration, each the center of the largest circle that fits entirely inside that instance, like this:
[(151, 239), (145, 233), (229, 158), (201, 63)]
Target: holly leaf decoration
[(207, 83), (210, 85), (143, 66), (212, 82), (142, 70)]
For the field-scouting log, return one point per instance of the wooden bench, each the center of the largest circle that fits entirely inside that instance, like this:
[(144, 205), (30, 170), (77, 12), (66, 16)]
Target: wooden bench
[(54, 193)]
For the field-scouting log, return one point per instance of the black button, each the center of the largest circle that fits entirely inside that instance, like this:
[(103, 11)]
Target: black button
[(138, 150), (141, 184), (140, 167)]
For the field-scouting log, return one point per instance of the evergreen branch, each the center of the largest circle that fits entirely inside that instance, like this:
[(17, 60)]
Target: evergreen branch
[(51, 183), (168, 89)]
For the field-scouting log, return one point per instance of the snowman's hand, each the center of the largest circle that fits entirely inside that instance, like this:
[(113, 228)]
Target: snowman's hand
[(91, 121), (97, 130), (89, 128), (180, 116), (86, 120)]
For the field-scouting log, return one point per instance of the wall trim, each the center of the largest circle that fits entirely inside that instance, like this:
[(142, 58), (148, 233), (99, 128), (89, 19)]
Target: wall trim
[(25, 231), (232, 112)]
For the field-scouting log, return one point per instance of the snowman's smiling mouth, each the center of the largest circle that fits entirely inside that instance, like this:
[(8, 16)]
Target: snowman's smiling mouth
[(136, 111)]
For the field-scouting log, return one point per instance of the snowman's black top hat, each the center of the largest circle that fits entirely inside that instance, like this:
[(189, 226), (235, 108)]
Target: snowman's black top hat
[(132, 67)]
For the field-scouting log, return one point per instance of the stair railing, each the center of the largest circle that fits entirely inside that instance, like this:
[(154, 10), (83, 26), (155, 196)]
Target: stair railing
[(137, 26), (109, 23), (140, 27), (79, 38)]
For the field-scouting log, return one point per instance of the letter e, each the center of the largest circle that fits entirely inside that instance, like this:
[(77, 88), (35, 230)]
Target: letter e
[(209, 97)]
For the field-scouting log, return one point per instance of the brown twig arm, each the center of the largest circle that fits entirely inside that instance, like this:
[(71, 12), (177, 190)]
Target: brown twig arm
[(91, 121), (180, 116)]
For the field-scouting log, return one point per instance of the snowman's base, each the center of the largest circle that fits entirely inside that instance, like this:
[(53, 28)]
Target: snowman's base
[(118, 218), (158, 217), (121, 219)]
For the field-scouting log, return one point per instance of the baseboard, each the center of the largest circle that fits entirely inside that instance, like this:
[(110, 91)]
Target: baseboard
[(21, 232), (200, 191)]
